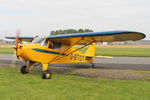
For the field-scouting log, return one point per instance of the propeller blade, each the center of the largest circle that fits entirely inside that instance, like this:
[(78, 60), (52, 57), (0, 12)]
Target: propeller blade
[(17, 39), (13, 61), (14, 58)]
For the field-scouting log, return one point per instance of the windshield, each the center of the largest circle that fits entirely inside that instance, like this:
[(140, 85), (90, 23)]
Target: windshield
[(38, 40), (41, 41)]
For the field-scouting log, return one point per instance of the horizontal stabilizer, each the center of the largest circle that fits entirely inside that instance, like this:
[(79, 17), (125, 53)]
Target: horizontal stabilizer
[(108, 57)]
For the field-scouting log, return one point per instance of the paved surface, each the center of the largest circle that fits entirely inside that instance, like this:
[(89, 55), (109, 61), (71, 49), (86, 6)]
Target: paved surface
[(138, 63)]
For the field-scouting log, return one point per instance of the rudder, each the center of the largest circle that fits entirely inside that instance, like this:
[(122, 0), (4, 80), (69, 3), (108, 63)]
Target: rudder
[(91, 50)]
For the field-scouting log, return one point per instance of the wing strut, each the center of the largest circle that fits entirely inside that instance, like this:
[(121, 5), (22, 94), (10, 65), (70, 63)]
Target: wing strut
[(74, 51), (65, 50), (80, 48)]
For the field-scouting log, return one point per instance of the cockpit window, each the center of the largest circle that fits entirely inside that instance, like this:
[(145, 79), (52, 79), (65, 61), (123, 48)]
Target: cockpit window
[(38, 40), (41, 41), (44, 43), (54, 45)]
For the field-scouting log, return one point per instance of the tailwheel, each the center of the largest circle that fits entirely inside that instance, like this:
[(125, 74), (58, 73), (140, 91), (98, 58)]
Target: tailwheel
[(23, 69), (46, 74), (93, 66)]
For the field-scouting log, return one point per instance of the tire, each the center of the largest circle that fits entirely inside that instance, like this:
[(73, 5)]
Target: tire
[(23, 69), (46, 74), (93, 66)]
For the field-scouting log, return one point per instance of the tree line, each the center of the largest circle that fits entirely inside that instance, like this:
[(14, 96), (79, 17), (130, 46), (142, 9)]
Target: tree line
[(69, 31)]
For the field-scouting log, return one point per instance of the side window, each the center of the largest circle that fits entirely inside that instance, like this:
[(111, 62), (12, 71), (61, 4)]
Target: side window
[(54, 45), (44, 43), (57, 46), (51, 45)]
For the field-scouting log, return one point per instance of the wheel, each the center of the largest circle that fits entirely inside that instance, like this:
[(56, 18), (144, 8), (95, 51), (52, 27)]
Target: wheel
[(23, 69), (46, 74), (93, 65)]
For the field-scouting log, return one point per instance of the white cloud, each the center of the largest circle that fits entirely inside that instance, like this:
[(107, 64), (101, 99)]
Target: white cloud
[(42, 16)]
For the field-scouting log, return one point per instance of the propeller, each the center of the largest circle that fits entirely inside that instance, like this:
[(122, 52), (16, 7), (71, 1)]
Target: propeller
[(14, 60), (17, 40)]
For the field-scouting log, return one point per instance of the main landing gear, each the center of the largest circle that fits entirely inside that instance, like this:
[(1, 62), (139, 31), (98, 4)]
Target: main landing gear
[(45, 75), (25, 68)]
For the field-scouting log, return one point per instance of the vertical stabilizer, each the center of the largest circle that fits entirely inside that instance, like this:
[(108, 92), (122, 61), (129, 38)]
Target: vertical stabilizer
[(91, 50)]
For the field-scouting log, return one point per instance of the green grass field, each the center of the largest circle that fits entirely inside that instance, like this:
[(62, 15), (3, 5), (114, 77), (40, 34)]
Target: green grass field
[(140, 52), (15, 86), (136, 52), (6, 50), (131, 52)]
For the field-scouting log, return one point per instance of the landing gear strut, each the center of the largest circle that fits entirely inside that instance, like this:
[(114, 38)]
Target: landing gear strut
[(46, 73), (93, 66), (25, 68)]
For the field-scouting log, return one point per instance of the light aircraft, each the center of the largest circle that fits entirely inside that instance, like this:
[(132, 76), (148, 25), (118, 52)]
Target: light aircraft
[(59, 48)]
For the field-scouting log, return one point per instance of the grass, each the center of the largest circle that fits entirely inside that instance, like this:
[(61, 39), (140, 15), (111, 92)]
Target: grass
[(137, 52), (130, 52), (6, 50), (15, 86)]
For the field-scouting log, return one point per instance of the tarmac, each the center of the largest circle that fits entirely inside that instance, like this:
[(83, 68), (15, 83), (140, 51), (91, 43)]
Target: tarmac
[(124, 63)]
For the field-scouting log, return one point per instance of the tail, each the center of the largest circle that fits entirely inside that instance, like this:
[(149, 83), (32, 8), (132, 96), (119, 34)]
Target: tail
[(90, 53)]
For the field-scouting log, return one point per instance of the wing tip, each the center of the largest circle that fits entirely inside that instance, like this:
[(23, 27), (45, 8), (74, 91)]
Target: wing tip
[(10, 37), (140, 33)]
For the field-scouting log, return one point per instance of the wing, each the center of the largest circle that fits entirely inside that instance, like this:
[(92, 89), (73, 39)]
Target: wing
[(98, 37), (27, 39)]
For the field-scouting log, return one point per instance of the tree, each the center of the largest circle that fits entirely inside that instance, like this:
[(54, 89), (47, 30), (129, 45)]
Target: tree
[(69, 31), (52, 33), (81, 30), (88, 30)]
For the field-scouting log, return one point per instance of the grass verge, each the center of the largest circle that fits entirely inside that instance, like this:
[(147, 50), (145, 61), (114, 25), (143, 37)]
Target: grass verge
[(6, 50), (130, 52), (15, 86), (134, 52)]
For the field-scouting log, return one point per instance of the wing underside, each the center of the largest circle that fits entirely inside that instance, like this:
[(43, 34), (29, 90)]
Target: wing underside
[(108, 36), (98, 37), (27, 39)]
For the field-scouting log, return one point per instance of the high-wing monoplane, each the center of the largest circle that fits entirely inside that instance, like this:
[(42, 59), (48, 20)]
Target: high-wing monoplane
[(60, 48)]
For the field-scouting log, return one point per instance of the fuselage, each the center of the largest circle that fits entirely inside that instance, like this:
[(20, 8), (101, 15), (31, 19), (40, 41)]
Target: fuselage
[(42, 53)]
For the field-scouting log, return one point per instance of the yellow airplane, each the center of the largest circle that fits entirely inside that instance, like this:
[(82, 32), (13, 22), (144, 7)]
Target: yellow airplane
[(59, 48)]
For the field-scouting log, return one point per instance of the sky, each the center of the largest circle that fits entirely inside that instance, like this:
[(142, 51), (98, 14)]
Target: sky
[(39, 17)]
